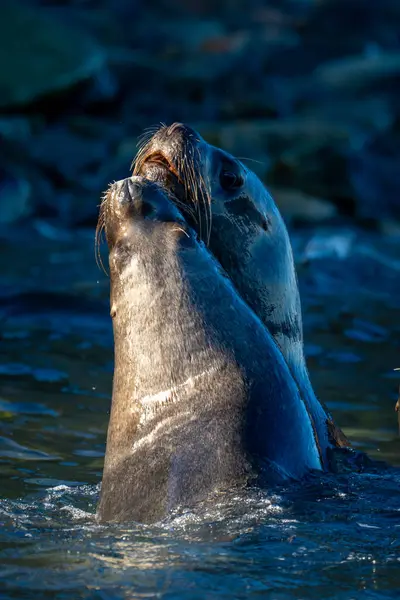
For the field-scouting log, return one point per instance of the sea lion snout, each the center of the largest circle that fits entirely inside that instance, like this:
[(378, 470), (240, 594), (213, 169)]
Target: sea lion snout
[(135, 197), (129, 190), (137, 215), (124, 204), (134, 200)]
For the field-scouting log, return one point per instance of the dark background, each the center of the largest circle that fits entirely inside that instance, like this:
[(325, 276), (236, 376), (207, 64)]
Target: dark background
[(310, 89), (306, 92)]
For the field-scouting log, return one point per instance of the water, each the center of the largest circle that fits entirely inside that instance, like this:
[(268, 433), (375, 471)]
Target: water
[(332, 537)]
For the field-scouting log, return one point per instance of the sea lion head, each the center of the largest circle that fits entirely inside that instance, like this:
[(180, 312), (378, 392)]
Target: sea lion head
[(143, 229), (233, 213), (132, 210), (134, 203), (231, 210)]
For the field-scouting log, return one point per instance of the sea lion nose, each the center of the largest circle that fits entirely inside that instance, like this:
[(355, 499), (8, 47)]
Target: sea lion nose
[(181, 129), (135, 188), (130, 189)]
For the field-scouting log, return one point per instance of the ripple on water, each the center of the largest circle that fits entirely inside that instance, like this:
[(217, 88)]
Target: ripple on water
[(297, 542), (332, 537)]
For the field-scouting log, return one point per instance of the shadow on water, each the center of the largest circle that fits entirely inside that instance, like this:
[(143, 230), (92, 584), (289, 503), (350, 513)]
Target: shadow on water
[(331, 537)]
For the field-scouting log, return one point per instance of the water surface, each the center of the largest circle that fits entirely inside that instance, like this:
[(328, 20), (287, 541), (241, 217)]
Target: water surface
[(332, 537)]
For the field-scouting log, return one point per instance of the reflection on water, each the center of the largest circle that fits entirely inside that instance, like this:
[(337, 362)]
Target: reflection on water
[(335, 537)]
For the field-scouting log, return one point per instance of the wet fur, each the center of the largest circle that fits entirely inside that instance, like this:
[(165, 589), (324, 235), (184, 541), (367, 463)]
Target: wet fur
[(202, 397), (246, 233)]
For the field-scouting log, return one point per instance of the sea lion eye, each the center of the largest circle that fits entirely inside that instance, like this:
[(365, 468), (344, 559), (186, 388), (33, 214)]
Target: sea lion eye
[(230, 180)]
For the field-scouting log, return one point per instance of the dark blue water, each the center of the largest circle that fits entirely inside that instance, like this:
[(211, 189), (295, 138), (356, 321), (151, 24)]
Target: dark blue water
[(332, 537)]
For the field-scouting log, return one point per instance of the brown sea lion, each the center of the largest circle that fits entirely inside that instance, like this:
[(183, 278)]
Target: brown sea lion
[(202, 396), (232, 211)]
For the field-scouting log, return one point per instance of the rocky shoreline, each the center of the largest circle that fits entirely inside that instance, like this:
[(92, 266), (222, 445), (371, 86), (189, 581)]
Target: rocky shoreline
[(308, 91)]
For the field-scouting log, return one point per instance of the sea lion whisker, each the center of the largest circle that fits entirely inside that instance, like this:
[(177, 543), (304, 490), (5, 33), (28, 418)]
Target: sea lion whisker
[(207, 204), (179, 203), (188, 205), (98, 240), (148, 133), (99, 260), (192, 190), (141, 152), (100, 227), (260, 162), (144, 139), (192, 183), (202, 189), (138, 160), (152, 129), (143, 144), (183, 167), (143, 147), (183, 206), (182, 230), (204, 203)]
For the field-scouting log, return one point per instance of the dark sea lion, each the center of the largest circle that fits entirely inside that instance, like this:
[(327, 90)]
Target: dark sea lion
[(234, 214), (202, 397)]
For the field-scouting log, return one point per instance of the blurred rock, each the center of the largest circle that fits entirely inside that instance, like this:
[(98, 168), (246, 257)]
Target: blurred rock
[(355, 73), (367, 115), (15, 129), (306, 93), (299, 207), (375, 174), (15, 194), (343, 27), (326, 245), (40, 56), (353, 259), (307, 153), (66, 154)]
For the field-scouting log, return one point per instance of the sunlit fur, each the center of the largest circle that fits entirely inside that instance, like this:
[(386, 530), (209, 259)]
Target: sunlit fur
[(202, 398), (246, 233), (197, 189)]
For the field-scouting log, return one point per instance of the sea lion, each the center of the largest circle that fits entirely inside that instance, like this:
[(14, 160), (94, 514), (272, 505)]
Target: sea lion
[(232, 211), (202, 397)]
